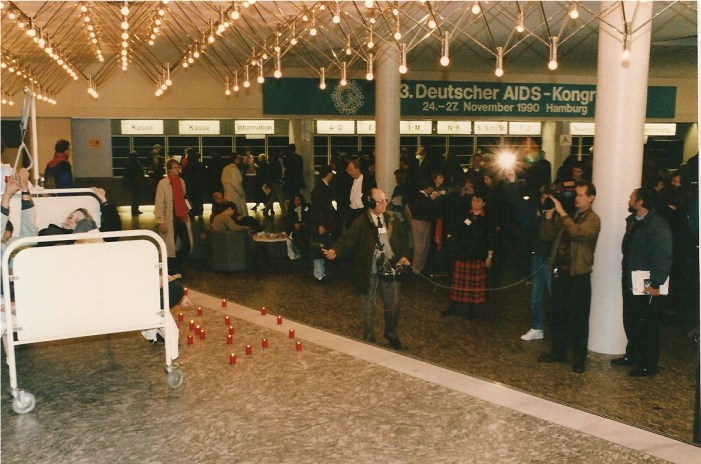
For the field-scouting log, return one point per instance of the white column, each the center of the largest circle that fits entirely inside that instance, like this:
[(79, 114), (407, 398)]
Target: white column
[(387, 116), (621, 98)]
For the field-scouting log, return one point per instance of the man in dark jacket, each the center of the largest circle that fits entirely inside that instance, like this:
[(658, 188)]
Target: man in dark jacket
[(376, 239), (58, 173), (647, 246), (325, 221)]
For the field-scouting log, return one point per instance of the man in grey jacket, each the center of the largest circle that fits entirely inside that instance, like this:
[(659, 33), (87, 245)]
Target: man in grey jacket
[(647, 246)]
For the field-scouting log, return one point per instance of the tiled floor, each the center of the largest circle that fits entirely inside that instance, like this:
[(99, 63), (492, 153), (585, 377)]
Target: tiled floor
[(104, 399)]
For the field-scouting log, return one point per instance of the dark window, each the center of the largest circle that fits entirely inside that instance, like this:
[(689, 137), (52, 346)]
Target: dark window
[(222, 144), (120, 154), (321, 150), (178, 143), (462, 147), (276, 144)]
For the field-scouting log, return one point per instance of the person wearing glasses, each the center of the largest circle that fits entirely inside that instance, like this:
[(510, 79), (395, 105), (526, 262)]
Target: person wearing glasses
[(378, 244), (172, 219)]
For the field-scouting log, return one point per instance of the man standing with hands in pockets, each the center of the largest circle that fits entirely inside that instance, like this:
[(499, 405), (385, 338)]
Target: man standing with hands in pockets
[(375, 240)]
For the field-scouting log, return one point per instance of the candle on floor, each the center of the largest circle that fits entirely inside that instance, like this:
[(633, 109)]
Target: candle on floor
[(229, 339), (292, 333), (263, 311), (190, 339), (264, 343), (223, 303), (181, 317), (199, 311), (249, 349), (197, 329), (279, 320), (202, 336), (186, 290), (231, 330), (232, 358), (192, 324), (227, 320), (299, 346)]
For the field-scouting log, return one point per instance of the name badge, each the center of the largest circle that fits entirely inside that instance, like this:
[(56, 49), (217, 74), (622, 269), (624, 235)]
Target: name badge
[(468, 222)]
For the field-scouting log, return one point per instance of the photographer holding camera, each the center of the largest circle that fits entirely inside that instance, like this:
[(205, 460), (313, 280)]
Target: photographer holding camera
[(379, 246)]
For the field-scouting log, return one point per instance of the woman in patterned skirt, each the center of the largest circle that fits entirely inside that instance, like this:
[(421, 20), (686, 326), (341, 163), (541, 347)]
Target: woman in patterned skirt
[(472, 245)]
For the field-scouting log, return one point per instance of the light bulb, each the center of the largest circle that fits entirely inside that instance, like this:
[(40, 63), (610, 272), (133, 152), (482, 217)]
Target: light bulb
[(499, 72), (210, 39), (432, 23), (552, 65), (369, 76), (196, 53), (277, 74), (246, 84), (156, 30), (336, 19), (157, 22), (124, 10), (322, 85), (236, 88), (32, 32), (227, 92), (185, 64), (312, 31), (625, 56), (293, 41), (476, 9), (190, 60), (220, 28), (260, 79), (125, 25), (169, 82), (235, 14), (161, 12), (445, 61), (125, 35), (349, 51), (574, 12), (402, 69), (369, 3), (371, 44), (343, 82), (83, 8), (86, 19), (397, 35)]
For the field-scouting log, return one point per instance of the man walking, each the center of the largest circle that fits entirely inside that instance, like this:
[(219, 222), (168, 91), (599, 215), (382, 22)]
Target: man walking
[(375, 240), (572, 258), (325, 220), (647, 246)]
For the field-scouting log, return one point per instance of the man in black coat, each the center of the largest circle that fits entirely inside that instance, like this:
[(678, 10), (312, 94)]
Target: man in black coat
[(647, 246), (294, 172), (325, 221)]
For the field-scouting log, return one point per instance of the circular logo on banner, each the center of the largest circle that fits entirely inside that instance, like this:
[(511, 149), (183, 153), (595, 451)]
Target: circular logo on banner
[(348, 99)]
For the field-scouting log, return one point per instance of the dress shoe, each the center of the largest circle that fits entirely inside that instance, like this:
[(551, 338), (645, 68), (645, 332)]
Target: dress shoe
[(642, 372), (551, 358), (622, 361), (394, 342), (449, 312), (533, 334), (369, 339), (578, 369)]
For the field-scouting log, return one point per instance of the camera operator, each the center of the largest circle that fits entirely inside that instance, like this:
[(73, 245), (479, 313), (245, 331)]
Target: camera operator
[(571, 259), (376, 240)]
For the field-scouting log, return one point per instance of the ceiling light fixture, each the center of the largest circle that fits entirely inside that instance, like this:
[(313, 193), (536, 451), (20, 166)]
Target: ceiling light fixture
[(369, 4), (552, 64), (234, 13), (445, 58), (125, 9), (322, 81), (369, 74), (344, 81), (402, 60), (337, 14), (278, 65), (313, 31), (520, 27), (246, 82), (574, 12), (236, 81), (371, 39), (168, 81), (397, 31), (260, 78), (227, 90), (476, 8), (499, 71)]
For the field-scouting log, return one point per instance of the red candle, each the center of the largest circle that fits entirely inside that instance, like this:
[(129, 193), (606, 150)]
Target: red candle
[(197, 329), (199, 311), (292, 333), (264, 343), (299, 346), (231, 330), (202, 334), (223, 303), (185, 290), (190, 339), (227, 320), (232, 358), (263, 311), (181, 317), (249, 349), (229, 339), (279, 320), (192, 324)]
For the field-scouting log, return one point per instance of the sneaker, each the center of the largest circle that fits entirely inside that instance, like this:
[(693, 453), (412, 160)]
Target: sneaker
[(532, 334)]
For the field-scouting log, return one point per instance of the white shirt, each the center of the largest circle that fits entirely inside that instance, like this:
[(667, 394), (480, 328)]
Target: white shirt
[(356, 195)]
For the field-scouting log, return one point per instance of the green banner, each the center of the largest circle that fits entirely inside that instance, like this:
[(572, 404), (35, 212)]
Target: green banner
[(428, 99)]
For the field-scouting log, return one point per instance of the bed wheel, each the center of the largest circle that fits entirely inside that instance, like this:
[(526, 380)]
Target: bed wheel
[(24, 402), (174, 378)]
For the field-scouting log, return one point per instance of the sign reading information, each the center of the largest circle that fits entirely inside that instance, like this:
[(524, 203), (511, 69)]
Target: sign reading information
[(431, 99)]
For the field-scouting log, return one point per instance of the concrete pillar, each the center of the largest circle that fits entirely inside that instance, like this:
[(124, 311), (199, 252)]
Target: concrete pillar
[(387, 116), (621, 98), (551, 144), (299, 132)]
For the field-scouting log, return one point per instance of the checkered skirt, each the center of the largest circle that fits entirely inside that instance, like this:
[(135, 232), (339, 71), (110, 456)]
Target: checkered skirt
[(469, 282)]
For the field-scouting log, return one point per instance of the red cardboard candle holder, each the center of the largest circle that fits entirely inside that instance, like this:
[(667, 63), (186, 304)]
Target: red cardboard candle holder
[(229, 339), (227, 320), (200, 311), (298, 346), (264, 343), (190, 339), (202, 334), (279, 320), (181, 317), (198, 329), (249, 350), (192, 324), (186, 290), (231, 330), (223, 303), (263, 311), (292, 333), (232, 358)]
